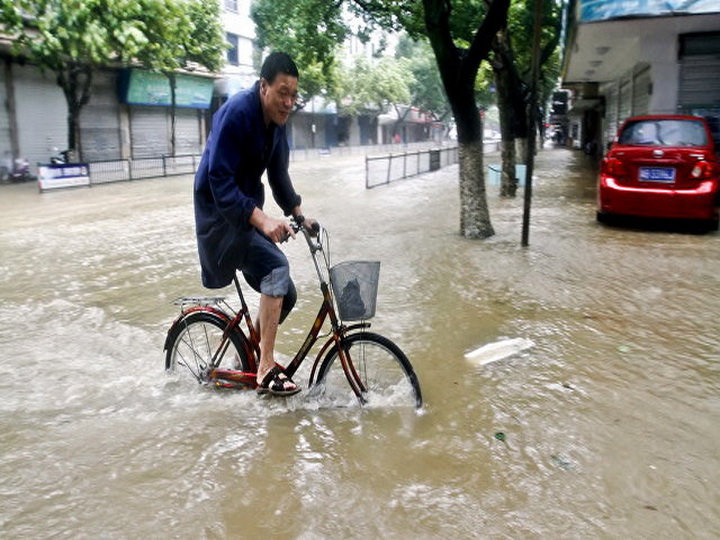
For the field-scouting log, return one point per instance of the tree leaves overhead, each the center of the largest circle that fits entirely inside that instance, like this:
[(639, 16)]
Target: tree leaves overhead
[(370, 86), (426, 87), (75, 37), (161, 34), (308, 30)]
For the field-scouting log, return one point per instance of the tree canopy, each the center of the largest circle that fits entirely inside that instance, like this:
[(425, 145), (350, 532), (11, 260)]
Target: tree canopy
[(460, 33), (370, 86), (72, 38), (308, 30)]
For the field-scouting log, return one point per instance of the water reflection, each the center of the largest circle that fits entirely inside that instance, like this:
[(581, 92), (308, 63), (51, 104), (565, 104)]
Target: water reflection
[(608, 421)]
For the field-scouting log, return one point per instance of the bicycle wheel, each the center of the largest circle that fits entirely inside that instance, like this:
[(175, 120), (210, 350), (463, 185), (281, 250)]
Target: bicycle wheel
[(385, 372), (193, 342)]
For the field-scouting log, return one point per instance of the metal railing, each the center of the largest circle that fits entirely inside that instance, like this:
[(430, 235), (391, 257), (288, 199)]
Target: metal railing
[(381, 170), (119, 170)]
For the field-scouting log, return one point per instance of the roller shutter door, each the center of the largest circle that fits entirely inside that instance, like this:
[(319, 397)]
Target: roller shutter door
[(611, 113), (699, 71), (641, 92), (700, 81), (625, 105), (5, 144), (41, 113), (187, 131), (149, 131), (99, 120)]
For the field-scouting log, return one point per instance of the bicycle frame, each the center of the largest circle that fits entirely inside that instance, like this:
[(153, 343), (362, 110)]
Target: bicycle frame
[(251, 341)]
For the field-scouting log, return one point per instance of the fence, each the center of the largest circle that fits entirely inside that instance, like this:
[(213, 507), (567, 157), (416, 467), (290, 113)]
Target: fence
[(118, 170), (380, 170)]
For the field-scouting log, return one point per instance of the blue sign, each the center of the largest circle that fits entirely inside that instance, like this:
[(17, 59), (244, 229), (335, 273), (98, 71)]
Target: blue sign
[(138, 87), (601, 10)]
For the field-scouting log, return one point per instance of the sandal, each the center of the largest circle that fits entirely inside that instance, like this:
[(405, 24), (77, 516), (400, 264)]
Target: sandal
[(275, 382)]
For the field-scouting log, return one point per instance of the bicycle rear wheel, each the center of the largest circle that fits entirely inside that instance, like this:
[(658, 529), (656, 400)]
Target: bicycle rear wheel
[(194, 341), (386, 375)]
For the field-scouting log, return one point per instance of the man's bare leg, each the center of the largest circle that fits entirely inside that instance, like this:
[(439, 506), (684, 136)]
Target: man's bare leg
[(269, 317)]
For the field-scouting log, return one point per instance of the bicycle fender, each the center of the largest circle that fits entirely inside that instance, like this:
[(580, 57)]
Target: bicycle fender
[(320, 356), (172, 331), (330, 342)]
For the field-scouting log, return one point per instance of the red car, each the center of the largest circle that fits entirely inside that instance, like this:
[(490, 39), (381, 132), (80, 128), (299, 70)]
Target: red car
[(661, 166)]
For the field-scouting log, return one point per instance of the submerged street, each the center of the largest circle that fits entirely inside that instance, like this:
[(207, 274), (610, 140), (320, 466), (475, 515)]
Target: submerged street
[(605, 427)]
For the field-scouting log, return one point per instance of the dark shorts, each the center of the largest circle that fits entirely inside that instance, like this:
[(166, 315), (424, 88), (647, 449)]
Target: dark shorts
[(266, 269)]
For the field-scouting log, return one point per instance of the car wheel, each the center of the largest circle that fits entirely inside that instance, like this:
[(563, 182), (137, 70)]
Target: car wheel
[(603, 217)]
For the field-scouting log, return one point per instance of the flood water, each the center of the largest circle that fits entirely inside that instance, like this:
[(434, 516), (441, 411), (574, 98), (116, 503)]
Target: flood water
[(606, 427)]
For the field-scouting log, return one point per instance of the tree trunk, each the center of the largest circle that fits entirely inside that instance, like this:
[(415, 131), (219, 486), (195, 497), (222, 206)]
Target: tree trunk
[(474, 212), (73, 150), (508, 181), (11, 109), (458, 70), (522, 148), (173, 111), (76, 82)]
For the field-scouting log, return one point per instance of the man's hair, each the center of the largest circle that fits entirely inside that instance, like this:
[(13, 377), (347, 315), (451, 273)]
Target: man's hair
[(278, 62)]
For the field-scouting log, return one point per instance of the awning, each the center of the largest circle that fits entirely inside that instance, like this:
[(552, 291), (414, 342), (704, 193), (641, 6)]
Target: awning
[(579, 106)]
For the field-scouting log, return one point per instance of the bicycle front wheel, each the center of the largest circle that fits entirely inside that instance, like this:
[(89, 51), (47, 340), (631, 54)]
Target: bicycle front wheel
[(195, 345), (380, 368)]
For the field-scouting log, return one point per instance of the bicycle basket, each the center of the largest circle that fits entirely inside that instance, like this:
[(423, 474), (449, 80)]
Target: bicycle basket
[(355, 285)]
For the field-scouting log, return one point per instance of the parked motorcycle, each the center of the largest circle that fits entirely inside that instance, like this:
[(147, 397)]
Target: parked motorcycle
[(14, 170), (59, 158)]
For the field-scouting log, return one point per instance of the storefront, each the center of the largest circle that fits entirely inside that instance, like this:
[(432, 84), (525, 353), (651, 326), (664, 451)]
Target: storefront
[(656, 57), (700, 78), (128, 116), (149, 99)]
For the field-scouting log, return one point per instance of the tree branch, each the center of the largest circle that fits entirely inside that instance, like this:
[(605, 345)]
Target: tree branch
[(495, 19)]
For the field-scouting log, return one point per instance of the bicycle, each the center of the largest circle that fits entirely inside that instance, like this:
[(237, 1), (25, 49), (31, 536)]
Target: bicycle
[(220, 346)]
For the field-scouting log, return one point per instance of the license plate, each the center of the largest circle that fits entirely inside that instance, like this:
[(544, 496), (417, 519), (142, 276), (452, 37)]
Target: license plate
[(657, 174)]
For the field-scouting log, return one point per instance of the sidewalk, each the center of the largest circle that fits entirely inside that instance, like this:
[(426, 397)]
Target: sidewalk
[(552, 164)]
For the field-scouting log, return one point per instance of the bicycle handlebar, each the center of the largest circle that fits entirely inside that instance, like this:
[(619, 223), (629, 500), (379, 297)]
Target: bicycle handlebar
[(312, 235)]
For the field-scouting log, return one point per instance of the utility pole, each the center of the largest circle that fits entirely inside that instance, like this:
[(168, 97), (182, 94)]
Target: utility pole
[(532, 121)]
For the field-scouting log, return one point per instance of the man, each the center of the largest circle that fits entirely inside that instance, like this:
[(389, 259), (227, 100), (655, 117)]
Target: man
[(248, 138)]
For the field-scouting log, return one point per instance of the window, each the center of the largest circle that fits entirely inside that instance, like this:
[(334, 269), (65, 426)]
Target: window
[(231, 6), (664, 133), (232, 54)]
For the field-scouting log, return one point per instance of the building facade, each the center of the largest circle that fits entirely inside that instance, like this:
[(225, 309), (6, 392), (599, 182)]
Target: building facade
[(624, 58), (130, 113)]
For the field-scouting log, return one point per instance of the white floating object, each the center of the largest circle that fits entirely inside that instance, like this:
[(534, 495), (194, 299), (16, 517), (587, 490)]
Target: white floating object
[(492, 352)]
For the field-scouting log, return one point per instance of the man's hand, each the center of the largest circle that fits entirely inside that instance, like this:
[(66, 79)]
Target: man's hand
[(277, 230), (312, 226)]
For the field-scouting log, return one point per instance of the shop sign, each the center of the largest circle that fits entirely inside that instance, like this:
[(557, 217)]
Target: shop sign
[(138, 87)]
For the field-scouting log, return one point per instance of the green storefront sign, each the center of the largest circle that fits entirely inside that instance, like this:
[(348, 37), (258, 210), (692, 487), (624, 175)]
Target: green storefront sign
[(139, 87)]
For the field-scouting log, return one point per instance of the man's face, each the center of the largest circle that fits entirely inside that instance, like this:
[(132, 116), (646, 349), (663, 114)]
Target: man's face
[(278, 98)]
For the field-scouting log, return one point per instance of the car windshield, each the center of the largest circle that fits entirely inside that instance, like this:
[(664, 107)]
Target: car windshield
[(658, 132)]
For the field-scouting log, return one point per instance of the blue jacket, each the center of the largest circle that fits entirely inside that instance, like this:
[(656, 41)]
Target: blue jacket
[(228, 183)]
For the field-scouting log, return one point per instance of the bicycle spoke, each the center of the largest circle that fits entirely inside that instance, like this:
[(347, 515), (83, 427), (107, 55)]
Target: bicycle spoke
[(200, 343), (376, 366)]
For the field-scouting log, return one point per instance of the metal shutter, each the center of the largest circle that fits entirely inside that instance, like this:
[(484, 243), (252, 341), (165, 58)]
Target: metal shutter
[(149, 131), (99, 120), (625, 105), (611, 112), (5, 145), (699, 81), (41, 112), (187, 131), (641, 92)]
